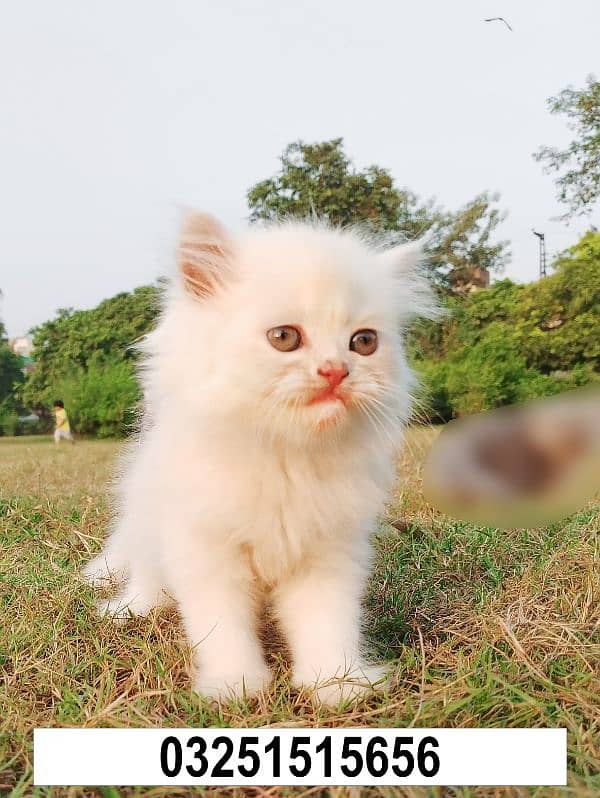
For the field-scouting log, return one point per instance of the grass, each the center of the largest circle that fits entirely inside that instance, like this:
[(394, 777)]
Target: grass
[(485, 628)]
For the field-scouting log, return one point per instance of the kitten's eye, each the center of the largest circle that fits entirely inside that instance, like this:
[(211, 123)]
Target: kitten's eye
[(285, 338), (364, 342)]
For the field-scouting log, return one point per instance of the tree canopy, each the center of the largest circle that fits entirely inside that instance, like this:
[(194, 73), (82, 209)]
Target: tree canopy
[(319, 179), (514, 342), (578, 165), (11, 376), (86, 358), (11, 369)]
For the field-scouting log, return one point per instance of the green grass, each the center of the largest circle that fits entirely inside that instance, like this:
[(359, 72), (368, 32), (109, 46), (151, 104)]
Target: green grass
[(484, 628)]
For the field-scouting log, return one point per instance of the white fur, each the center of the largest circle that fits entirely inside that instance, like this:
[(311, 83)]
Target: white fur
[(236, 486)]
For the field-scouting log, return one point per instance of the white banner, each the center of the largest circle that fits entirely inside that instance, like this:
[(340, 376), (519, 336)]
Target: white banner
[(236, 757)]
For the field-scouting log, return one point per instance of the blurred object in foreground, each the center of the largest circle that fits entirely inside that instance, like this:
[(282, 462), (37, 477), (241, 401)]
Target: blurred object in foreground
[(518, 467)]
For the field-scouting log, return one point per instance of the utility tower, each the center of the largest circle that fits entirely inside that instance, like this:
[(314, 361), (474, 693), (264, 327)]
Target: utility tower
[(542, 239)]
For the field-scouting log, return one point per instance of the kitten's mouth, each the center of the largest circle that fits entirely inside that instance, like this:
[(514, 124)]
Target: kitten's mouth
[(327, 395)]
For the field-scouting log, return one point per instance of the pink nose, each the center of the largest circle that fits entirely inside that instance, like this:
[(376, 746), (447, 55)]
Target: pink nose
[(333, 373)]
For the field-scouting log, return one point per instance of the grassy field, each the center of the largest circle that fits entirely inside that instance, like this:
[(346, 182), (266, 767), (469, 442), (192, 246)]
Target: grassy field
[(485, 628)]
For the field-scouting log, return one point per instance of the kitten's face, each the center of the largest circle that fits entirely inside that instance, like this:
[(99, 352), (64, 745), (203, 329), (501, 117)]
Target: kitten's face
[(305, 334)]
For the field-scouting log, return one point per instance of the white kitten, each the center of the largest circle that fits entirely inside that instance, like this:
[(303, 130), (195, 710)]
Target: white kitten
[(277, 389)]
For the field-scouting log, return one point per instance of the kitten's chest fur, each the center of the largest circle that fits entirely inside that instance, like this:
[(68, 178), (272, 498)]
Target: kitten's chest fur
[(287, 508)]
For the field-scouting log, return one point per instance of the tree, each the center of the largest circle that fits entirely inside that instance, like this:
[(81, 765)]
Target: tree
[(11, 376), (102, 399), (556, 326), (11, 370), (461, 245), (88, 355), (515, 342), (579, 184), (319, 179)]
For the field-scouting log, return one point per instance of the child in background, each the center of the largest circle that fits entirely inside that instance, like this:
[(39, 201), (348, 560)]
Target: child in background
[(63, 429)]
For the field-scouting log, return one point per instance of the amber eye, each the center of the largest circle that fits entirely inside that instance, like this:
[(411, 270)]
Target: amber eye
[(364, 342), (285, 338)]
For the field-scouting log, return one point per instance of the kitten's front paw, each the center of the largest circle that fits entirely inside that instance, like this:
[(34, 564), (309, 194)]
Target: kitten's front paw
[(123, 606), (349, 685), (113, 609), (222, 685), (98, 572)]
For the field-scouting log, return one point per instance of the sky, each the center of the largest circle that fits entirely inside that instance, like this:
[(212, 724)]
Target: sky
[(115, 115)]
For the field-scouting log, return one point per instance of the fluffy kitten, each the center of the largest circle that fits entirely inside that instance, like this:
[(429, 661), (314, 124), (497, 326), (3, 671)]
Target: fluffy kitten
[(277, 389)]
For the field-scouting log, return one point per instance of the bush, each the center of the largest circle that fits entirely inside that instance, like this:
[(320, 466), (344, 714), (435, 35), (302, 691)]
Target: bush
[(9, 420), (100, 400), (451, 389), (434, 399), (74, 342), (511, 343), (487, 374)]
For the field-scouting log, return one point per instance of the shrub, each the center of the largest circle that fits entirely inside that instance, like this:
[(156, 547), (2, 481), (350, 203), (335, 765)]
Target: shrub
[(434, 400), (77, 341), (100, 400), (511, 343), (9, 420)]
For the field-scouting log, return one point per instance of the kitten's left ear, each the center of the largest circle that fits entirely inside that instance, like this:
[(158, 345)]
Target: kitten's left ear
[(406, 262), (204, 254), (405, 259)]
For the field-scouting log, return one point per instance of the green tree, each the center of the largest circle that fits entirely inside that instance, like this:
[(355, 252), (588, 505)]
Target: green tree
[(462, 245), (96, 342), (319, 179), (555, 322), (11, 376), (11, 368), (513, 342), (578, 166), (102, 399)]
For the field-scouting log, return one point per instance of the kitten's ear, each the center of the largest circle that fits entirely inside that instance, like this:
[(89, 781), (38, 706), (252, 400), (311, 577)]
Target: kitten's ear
[(405, 259), (406, 262), (204, 254)]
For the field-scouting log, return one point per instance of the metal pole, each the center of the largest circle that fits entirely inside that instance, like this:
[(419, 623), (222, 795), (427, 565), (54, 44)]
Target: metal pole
[(542, 239)]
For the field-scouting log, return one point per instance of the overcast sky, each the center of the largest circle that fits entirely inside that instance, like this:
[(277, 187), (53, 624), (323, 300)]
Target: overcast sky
[(114, 114)]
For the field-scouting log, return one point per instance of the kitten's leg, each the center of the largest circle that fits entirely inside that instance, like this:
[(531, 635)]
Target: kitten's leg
[(217, 603), (320, 612), (142, 592), (129, 557), (110, 565)]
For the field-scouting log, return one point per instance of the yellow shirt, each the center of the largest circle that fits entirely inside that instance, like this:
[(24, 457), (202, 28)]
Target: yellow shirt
[(62, 421)]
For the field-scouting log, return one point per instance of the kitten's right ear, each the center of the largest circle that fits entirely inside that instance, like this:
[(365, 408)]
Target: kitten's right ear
[(414, 287), (204, 254)]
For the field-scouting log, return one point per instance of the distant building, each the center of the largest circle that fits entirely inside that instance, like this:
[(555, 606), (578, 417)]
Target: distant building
[(22, 346), (476, 279)]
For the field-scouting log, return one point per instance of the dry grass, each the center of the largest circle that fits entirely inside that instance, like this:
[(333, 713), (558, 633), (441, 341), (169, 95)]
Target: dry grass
[(485, 628)]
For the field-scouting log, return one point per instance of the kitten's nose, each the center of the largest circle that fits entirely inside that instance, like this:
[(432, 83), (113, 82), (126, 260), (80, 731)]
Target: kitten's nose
[(334, 373)]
